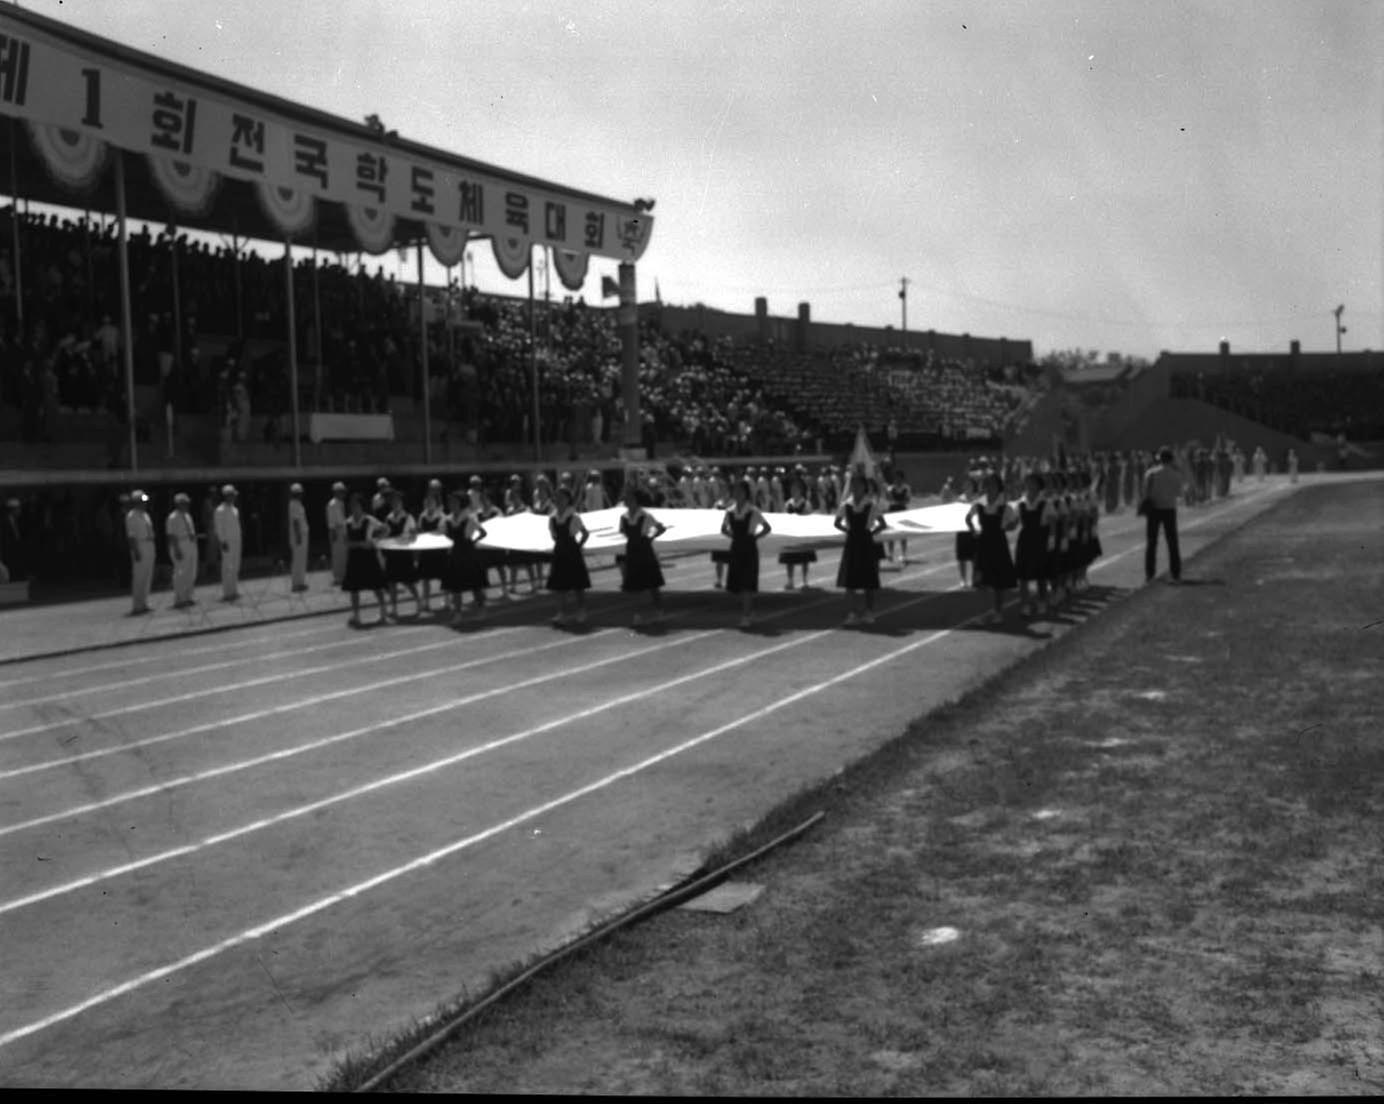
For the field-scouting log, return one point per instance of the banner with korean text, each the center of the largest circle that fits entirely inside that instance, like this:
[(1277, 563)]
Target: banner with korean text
[(48, 80)]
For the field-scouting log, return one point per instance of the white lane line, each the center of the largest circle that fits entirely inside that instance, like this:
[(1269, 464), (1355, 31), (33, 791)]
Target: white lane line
[(280, 922), (183, 672), (121, 664), (379, 783), (240, 765), (451, 641), (276, 924), (259, 714)]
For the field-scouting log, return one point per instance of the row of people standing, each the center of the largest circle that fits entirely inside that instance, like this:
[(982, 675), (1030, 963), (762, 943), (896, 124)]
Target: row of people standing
[(1057, 519)]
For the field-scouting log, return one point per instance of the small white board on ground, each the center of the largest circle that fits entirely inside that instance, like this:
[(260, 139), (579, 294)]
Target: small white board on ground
[(726, 897)]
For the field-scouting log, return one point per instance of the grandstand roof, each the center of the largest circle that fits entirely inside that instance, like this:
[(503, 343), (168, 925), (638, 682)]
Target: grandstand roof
[(43, 83), (1232, 361), (1094, 374)]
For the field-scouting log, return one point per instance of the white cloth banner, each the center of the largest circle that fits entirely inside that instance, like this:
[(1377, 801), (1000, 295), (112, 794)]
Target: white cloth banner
[(142, 106), (694, 529)]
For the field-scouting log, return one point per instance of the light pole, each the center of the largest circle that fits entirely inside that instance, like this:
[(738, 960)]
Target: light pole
[(1339, 328), (903, 303)]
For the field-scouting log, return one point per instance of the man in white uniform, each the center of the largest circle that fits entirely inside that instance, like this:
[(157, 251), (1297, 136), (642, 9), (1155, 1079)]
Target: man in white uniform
[(298, 537), (227, 522), (182, 550), (139, 531), (336, 531)]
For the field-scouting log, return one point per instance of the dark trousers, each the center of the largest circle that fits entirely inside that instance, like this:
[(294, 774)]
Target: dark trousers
[(1168, 520)]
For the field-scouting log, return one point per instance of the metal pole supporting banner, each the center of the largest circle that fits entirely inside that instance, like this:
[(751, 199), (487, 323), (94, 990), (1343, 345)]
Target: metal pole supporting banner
[(423, 357), (317, 353), (533, 365), (14, 228), (292, 354), (628, 322), (127, 341)]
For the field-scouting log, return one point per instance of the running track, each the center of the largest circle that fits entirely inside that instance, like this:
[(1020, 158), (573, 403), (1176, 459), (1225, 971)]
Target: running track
[(226, 860)]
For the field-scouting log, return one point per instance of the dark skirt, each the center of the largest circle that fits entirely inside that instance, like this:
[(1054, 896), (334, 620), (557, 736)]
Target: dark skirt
[(742, 577), (795, 556), (859, 569), (466, 567), (399, 567), (433, 565), (994, 565), (363, 571), (965, 546), (719, 556), (642, 571), (1031, 554), (569, 571)]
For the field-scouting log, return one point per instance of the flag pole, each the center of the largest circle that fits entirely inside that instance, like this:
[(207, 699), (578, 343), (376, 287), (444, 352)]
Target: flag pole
[(14, 227)]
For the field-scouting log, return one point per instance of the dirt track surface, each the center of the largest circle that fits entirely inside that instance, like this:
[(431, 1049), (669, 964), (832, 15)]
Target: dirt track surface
[(227, 859)]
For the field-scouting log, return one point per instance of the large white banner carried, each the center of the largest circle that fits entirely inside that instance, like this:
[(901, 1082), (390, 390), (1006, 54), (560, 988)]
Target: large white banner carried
[(694, 529), (147, 108)]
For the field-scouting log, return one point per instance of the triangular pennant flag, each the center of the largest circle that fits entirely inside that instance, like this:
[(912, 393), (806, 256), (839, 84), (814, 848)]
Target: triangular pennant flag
[(609, 288), (862, 459)]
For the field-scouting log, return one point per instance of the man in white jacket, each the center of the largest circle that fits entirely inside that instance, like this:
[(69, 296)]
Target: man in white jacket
[(227, 522), (139, 530), (182, 550), (336, 531), (298, 537)]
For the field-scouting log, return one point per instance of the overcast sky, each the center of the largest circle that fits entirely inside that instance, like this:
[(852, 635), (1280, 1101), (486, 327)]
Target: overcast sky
[(1111, 175)]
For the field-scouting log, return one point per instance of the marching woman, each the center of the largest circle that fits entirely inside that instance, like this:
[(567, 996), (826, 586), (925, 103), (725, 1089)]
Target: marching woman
[(432, 565), (465, 568), (1031, 549), (363, 570), (568, 574), (642, 571), (966, 540), (799, 556), (859, 518), (993, 518), (744, 525), (399, 566)]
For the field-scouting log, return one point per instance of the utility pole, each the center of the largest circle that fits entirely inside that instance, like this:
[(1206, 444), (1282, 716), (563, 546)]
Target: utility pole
[(1339, 328), (903, 303)]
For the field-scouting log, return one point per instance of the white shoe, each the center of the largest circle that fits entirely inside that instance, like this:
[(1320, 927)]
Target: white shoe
[(867, 618), (558, 621)]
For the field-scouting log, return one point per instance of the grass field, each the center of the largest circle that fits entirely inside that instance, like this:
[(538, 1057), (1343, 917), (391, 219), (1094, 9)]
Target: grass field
[(1147, 860)]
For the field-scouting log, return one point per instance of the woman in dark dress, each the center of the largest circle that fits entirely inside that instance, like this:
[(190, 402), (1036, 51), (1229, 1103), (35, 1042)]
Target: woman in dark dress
[(859, 518), (363, 571), (1031, 549), (744, 525), (465, 568), (797, 555), (432, 565), (990, 519), (399, 567), (568, 575), (966, 541), (642, 571)]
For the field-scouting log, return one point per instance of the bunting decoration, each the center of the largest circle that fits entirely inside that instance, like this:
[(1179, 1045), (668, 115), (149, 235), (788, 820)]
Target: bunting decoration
[(512, 255), (372, 226), (190, 189), (448, 244), (571, 268), (290, 209), (73, 158)]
